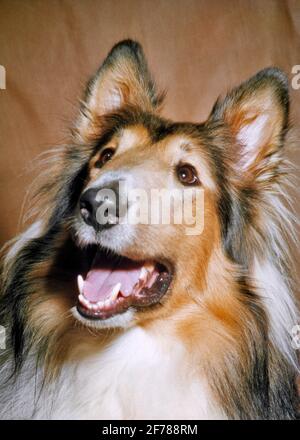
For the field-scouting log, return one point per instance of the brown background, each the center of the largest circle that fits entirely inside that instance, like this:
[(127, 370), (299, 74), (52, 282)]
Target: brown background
[(197, 49)]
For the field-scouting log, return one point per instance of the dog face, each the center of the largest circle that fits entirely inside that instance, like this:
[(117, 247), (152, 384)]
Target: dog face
[(138, 272), (188, 282), (159, 157), (225, 161)]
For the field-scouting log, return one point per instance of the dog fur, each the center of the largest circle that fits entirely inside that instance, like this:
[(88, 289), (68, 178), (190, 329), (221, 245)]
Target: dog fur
[(218, 344)]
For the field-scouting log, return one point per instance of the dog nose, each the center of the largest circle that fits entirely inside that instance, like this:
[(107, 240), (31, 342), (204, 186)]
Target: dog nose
[(88, 206), (99, 207)]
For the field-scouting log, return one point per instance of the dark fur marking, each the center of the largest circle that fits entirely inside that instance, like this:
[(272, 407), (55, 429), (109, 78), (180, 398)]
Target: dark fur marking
[(13, 300)]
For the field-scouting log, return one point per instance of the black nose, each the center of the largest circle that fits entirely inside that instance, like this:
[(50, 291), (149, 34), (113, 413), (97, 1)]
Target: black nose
[(100, 207)]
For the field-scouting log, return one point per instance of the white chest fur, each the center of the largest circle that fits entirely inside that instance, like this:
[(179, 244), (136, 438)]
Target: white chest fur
[(138, 377)]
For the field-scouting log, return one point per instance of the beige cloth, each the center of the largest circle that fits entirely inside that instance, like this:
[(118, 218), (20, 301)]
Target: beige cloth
[(197, 49)]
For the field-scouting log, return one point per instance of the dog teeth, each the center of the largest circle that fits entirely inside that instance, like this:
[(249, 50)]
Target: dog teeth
[(143, 274), (149, 267), (80, 283), (83, 300), (100, 304), (114, 292)]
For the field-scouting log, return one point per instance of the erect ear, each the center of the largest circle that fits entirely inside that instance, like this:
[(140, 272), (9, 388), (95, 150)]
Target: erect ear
[(256, 114), (122, 79)]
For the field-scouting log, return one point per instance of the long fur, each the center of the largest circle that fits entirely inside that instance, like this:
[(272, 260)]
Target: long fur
[(221, 350)]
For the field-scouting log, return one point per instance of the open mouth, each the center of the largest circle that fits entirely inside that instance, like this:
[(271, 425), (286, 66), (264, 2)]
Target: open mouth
[(113, 284)]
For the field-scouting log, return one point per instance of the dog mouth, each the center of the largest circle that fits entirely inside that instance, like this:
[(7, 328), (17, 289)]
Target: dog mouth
[(114, 283)]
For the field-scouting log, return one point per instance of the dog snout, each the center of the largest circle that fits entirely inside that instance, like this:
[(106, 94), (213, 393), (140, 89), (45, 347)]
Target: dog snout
[(88, 206), (100, 207)]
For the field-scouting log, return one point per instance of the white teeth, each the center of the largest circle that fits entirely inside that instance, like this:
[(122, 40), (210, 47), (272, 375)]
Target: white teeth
[(91, 306), (114, 292), (143, 274), (83, 300), (80, 282), (149, 266)]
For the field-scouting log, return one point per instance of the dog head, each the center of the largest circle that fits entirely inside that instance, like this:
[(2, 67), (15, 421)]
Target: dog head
[(147, 213), (149, 256)]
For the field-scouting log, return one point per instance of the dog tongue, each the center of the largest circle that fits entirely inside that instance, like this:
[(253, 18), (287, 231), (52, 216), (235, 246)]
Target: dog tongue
[(105, 274)]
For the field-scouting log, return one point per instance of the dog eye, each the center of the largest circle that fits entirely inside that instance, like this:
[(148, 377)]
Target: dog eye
[(187, 175), (106, 155)]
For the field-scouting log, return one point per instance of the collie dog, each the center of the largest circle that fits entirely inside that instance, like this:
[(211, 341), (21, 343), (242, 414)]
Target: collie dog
[(148, 320)]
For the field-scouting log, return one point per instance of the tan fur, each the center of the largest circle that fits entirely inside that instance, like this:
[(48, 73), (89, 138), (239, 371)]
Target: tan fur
[(213, 323)]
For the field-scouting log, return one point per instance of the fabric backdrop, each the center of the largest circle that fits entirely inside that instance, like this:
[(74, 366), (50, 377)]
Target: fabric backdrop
[(196, 49)]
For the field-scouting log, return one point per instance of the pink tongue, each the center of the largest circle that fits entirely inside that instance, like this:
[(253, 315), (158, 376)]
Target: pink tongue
[(104, 275)]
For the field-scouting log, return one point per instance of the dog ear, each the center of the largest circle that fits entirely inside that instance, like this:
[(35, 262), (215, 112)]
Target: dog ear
[(123, 79), (256, 114)]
